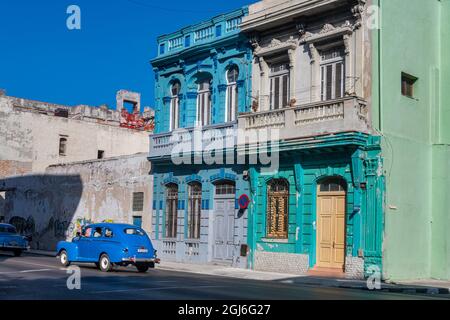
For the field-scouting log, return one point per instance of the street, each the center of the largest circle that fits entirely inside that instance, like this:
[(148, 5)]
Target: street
[(35, 277)]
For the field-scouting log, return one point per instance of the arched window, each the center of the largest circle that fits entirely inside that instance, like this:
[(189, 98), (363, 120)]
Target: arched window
[(194, 210), (277, 209), (332, 185), (226, 188), (204, 103), (175, 91), (232, 94), (171, 210)]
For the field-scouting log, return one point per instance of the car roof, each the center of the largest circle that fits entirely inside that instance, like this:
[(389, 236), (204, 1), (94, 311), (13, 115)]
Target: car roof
[(6, 225)]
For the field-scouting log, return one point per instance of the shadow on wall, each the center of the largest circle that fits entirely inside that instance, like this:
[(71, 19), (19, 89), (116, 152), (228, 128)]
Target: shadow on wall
[(42, 206)]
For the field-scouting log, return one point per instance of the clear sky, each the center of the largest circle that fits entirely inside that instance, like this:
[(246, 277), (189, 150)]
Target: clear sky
[(41, 59)]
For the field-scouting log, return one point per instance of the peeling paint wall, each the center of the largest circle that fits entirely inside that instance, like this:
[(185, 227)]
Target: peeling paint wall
[(55, 205)]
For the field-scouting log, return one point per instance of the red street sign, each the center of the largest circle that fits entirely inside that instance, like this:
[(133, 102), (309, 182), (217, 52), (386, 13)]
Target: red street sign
[(243, 201)]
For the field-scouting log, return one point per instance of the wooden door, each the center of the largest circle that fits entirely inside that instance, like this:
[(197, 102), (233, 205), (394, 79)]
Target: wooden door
[(331, 229)]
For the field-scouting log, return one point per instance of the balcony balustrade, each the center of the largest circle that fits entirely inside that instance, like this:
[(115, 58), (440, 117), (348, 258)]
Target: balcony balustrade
[(222, 136), (349, 114)]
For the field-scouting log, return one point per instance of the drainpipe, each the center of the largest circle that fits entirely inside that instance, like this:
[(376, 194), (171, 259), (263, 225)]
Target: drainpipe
[(380, 71)]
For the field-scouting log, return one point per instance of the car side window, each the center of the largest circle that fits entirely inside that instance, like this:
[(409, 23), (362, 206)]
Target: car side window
[(108, 233), (87, 232), (98, 232)]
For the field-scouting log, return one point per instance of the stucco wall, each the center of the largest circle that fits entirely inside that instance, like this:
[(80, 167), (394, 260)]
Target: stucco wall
[(178, 249), (410, 127), (53, 206), (30, 140)]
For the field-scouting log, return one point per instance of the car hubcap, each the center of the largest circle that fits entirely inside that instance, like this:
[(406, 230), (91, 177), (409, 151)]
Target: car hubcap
[(104, 263), (63, 259)]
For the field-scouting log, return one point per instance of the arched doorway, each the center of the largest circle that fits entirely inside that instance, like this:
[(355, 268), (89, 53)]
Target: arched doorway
[(331, 205)]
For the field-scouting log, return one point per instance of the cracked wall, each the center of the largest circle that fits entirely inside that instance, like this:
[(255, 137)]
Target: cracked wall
[(55, 205)]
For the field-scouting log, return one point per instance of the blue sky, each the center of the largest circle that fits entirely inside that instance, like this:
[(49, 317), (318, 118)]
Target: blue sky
[(41, 59)]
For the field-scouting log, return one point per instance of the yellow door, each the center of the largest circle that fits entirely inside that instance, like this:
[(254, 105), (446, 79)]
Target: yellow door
[(331, 229)]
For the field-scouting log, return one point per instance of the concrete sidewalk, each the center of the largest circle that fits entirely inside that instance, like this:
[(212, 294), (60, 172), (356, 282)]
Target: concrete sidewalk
[(420, 287)]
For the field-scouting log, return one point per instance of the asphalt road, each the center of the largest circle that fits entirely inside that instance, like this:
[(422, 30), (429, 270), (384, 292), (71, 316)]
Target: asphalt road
[(36, 277)]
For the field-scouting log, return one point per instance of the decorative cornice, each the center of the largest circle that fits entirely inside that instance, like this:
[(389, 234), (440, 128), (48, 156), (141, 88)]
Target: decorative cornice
[(328, 31), (193, 178), (222, 176), (276, 46)]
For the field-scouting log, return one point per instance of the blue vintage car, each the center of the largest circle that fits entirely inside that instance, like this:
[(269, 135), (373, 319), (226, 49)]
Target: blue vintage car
[(107, 245), (11, 241)]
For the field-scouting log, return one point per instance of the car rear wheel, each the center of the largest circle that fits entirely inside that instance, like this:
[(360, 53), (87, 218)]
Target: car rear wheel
[(142, 268), (64, 259), (17, 253), (105, 263)]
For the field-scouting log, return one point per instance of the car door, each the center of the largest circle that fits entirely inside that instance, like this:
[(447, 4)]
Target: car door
[(85, 244), (97, 244)]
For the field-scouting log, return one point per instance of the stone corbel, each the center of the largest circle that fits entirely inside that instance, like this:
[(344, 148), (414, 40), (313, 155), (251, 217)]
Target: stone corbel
[(347, 44), (358, 11), (291, 55), (301, 29), (313, 53), (263, 66), (254, 41)]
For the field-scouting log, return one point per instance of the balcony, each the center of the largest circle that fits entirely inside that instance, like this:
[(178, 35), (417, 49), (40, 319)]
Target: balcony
[(217, 28), (193, 140), (349, 114)]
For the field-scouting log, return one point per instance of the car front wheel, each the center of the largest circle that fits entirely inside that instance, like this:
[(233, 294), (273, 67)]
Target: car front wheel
[(64, 259), (105, 263), (142, 268)]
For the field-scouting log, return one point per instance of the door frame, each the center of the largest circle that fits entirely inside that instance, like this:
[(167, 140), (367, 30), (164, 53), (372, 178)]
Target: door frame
[(232, 198), (316, 194)]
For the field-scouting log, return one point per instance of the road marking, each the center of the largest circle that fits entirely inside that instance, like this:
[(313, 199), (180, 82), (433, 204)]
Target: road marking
[(161, 288), (26, 271), (34, 264)]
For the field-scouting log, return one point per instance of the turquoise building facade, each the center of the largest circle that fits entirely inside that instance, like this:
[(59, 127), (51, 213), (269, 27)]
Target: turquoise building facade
[(321, 211), (288, 83), (203, 81)]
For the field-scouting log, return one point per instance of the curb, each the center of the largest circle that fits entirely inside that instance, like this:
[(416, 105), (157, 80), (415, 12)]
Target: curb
[(41, 253), (407, 290)]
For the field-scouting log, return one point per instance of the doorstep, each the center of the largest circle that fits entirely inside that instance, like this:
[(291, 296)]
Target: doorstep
[(326, 273)]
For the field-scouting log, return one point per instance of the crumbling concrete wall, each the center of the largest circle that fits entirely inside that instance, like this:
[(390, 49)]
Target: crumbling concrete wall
[(55, 205), (30, 134)]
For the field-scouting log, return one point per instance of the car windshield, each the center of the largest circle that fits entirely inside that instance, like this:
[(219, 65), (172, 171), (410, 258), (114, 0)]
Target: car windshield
[(7, 229), (134, 232)]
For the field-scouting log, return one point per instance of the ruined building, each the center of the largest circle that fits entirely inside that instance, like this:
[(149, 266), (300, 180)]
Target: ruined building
[(36, 134), (62, 167)]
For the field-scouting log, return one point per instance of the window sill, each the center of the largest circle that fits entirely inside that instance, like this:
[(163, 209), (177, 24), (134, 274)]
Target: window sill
[(274, 240), (410, 98)]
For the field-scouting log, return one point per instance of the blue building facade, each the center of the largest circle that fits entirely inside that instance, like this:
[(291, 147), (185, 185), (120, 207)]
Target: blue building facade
[(203, 81)]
